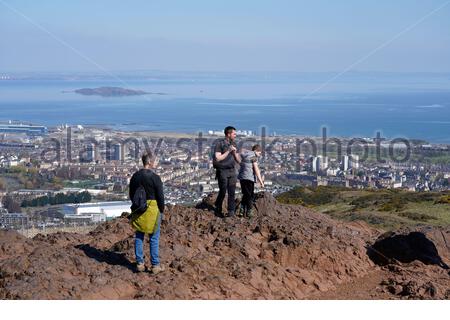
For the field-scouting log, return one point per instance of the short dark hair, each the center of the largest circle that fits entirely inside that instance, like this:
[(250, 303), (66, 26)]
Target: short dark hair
[(256, 147), (148, 158), (228, 130)]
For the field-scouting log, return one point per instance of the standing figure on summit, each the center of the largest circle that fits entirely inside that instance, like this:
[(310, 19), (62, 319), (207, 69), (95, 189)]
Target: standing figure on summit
[(249, 173), (146, 193), (225, 159)]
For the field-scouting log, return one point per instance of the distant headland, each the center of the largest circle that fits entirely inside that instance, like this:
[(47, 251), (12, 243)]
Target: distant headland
[(113, 92)]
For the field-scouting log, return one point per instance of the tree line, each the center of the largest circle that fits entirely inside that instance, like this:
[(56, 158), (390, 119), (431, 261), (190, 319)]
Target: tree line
[(59, 198)]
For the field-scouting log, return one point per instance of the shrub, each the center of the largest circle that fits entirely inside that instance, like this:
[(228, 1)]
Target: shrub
[(417, 216), (444, 200), (309, 197)]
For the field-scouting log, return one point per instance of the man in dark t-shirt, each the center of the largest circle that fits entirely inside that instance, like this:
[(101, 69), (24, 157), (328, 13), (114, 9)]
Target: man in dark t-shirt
[(225, 158)]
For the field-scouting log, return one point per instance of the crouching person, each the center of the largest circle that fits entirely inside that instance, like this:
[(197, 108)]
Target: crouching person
[(146, 194)]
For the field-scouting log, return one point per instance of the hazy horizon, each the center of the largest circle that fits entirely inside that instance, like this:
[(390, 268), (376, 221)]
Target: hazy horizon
[(243, 72), (250, 36)]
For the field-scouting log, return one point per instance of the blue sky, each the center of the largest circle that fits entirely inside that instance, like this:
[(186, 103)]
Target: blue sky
[(245, 35)]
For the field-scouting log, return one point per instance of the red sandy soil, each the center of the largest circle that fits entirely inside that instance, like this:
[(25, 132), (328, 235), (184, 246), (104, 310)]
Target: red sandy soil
[(283, 252)]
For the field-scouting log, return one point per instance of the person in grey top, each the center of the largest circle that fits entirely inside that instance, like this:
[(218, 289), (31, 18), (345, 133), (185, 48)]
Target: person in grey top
[(248, 174)]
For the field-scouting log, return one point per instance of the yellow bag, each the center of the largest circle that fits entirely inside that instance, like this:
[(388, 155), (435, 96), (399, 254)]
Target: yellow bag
[(148, 221)]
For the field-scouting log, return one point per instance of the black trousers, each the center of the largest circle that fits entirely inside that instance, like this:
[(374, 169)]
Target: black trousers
[(227, 184), (248, 193)]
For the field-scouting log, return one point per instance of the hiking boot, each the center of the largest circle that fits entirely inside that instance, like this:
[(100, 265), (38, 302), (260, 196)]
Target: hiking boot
[(241, 212), (231, 214), (157, 269), (140, 267), (250, 213), (218, 213)]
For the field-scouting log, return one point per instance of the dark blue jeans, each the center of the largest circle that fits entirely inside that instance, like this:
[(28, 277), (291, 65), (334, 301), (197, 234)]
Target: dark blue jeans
[(154, 245)]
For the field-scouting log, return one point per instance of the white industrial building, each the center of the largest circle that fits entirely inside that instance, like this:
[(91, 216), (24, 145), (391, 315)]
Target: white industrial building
[(345, 163), (319, 163), (110, 209), (350, 162)]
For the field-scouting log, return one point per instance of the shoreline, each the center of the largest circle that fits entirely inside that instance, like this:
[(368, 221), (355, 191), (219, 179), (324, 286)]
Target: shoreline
[(181, 134), (194, 134)]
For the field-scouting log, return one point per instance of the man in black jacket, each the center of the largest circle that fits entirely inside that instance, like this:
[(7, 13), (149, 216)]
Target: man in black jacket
[(225, 158), (153, 187)]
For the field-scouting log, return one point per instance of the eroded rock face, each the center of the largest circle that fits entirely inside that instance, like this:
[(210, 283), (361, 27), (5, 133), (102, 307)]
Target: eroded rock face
[(418, 260), (209, 203), (406, 246), (284, 252)]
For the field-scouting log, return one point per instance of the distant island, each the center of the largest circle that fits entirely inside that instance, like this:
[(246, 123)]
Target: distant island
[(113, 92)]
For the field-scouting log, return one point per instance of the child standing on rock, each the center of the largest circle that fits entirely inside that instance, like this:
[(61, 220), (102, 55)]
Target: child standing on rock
[(249, 173)]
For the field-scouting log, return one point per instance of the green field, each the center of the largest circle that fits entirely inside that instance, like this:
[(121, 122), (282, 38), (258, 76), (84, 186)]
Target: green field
[(385, 209)]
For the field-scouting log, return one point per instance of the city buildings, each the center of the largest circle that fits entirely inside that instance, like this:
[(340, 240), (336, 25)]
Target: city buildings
[(185, 167)]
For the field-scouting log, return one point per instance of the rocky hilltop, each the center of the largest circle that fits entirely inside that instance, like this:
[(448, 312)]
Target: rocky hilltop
[(284, 252)]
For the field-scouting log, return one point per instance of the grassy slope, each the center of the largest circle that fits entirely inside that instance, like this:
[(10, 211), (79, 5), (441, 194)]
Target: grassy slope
[(383, 209)]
